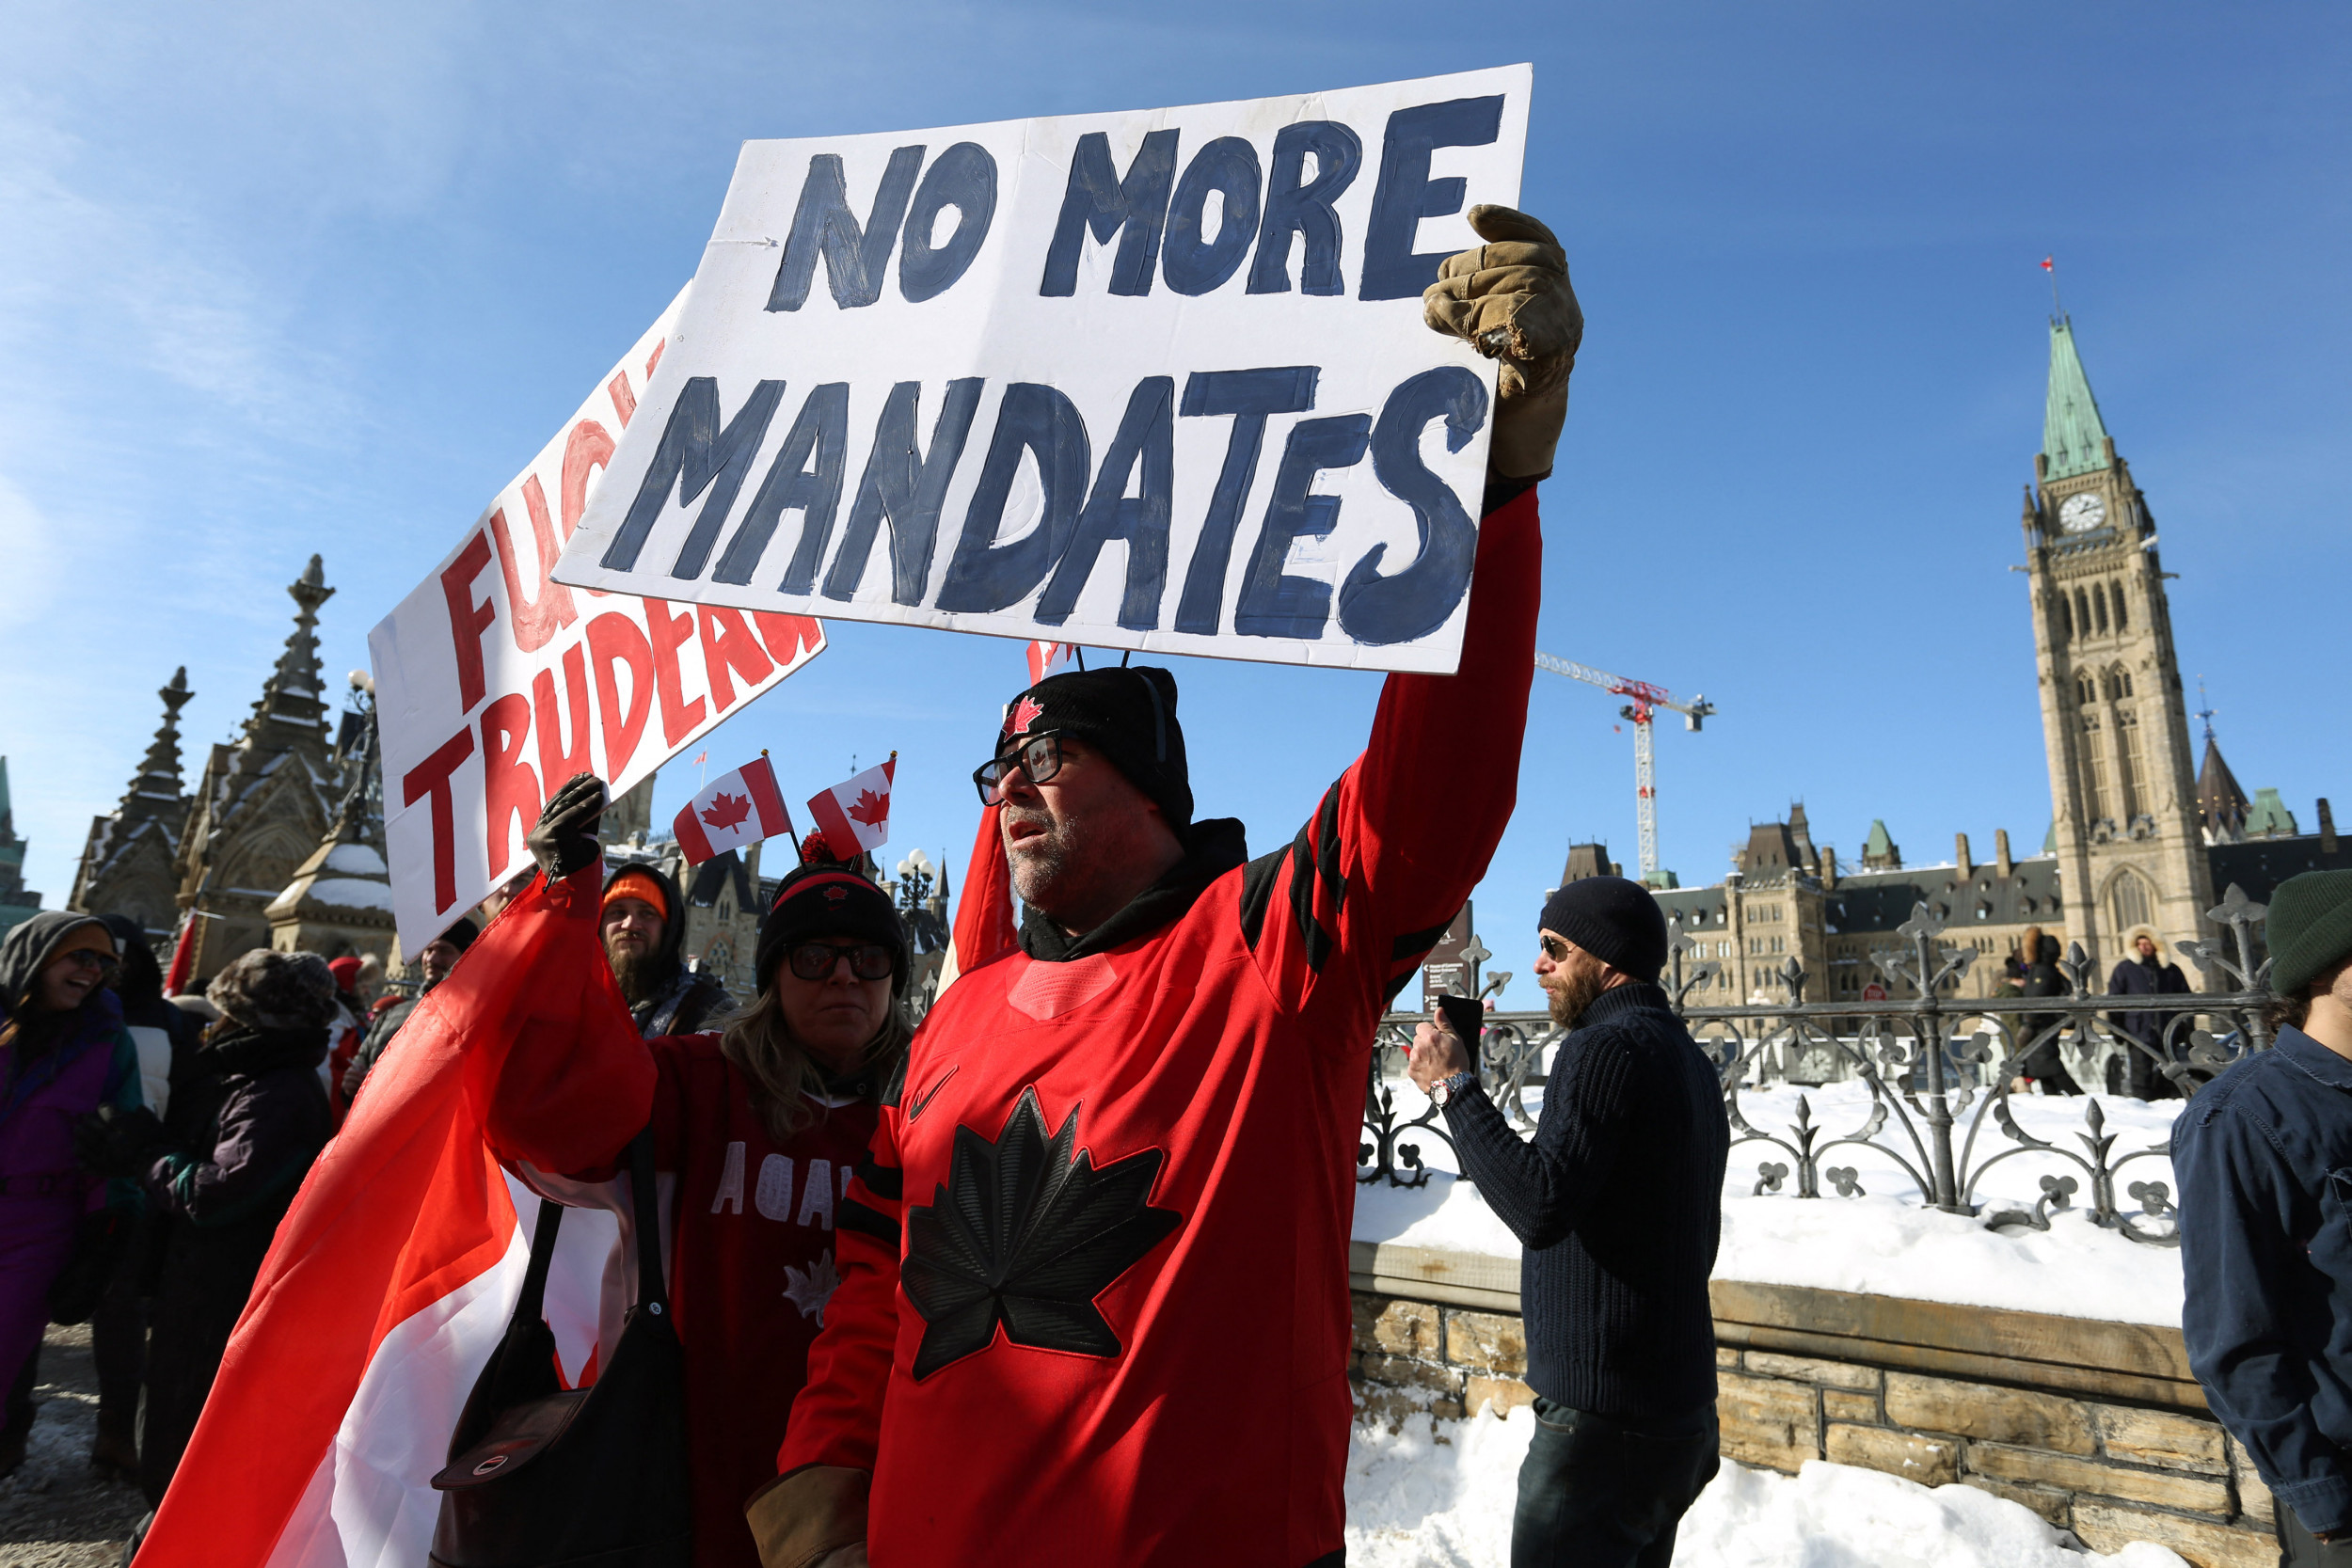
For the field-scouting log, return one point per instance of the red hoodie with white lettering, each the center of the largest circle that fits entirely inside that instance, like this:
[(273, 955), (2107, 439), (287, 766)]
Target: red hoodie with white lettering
[(1094, 1305)]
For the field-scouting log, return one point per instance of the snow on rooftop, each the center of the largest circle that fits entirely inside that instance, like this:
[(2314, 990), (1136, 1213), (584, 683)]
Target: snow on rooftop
[(1444, 1492), (1884, 1242), (352, 893), (356, 860)]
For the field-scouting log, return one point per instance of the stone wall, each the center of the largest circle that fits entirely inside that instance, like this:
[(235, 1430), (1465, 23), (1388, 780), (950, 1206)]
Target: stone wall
[(2096, 1427)]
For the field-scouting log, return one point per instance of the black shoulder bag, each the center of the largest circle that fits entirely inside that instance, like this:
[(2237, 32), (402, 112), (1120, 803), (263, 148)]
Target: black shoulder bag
[(540, 1476)]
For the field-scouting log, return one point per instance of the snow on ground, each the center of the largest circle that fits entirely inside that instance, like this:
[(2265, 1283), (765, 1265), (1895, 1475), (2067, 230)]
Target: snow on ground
[(1883, 1241), (1440, 1494)]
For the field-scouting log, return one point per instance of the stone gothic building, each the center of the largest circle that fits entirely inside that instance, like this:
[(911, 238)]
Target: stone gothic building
[(2134, 839), (282, 841)]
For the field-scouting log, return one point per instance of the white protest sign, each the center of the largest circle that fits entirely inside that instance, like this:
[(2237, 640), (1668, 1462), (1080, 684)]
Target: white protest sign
[(1154, 380), (494, 684)]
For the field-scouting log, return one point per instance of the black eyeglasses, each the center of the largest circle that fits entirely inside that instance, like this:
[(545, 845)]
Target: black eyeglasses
[(1555, 949), (814, 960), (1039, 757)]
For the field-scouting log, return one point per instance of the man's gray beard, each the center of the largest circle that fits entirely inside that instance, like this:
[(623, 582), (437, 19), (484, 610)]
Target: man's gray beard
[(1043, 867), (633, 972), (1568, 1003)]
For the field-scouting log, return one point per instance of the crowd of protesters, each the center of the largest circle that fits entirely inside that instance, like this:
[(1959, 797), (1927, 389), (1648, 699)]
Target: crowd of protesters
[(1207, 1013)]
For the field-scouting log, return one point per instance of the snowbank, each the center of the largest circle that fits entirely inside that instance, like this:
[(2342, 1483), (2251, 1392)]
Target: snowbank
[(1440, 1494), (1882, 1243)]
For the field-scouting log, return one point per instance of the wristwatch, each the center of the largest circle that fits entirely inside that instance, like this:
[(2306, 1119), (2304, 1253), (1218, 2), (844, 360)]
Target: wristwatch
[(1444, 1089)]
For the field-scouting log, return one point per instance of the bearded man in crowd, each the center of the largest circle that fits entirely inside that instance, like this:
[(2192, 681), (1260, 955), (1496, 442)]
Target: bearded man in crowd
[(643, 929)]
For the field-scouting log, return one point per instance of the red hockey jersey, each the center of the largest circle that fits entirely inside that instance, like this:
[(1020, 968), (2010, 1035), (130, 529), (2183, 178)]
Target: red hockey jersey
[(1094, 1302), (752, 1259)]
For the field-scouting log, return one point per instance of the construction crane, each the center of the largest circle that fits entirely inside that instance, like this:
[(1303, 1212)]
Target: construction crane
[(1645, 698)]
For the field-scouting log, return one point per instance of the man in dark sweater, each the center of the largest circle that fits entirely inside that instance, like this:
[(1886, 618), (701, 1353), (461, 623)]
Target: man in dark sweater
[(1618, 1204)]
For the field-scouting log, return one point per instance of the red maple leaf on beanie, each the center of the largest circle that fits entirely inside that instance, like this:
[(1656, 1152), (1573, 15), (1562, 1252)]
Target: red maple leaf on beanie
[(727, 810), (870, 808), (1026, 712)]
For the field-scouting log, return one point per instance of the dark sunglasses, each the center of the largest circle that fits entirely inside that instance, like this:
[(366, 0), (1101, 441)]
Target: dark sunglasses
[(89, 958), (1555, 949), (814, 960), (1039, 757)]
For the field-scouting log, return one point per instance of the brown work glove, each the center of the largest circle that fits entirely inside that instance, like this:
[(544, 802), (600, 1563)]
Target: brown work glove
[(1510, 299), (817, 1514)]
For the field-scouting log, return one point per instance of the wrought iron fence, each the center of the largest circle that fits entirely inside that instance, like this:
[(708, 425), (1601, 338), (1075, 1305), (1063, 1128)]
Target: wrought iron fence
[(1940, 1073)]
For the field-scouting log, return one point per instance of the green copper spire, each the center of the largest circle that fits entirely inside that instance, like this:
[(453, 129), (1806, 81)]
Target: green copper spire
[(2072, 437)]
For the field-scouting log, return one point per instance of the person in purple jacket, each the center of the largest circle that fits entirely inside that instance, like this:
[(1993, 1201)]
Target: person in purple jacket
[(63, 1053)]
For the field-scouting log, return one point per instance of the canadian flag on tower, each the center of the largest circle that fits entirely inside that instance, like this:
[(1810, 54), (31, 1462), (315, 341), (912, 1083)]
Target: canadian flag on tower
[(855, 815), (734, 812)]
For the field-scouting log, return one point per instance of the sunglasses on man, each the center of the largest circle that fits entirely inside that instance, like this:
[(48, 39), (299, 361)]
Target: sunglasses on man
[(816, 961), (1039, 757)]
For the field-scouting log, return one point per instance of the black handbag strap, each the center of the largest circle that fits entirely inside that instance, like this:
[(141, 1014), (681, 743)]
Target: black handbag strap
[(645, 1197), (645, 1203), (531, 1307)]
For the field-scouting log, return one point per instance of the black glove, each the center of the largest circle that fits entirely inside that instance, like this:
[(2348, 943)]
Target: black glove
[(111, 1143), (565, 839)]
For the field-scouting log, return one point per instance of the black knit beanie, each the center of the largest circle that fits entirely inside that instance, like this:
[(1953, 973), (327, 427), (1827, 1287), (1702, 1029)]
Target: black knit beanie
[(1612, 918), (460, 933), (1129, 715), (2309, 927), (825, 898)]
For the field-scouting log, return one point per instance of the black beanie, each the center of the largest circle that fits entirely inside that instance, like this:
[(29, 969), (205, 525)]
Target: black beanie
[(1612, 918), (825, 898), (460, 933), (1129, 715), (2309, 927)]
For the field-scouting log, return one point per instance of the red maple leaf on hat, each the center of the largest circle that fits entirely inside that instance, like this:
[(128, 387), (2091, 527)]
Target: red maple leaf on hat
[(1025, 713), (726, 810), (870, 808)]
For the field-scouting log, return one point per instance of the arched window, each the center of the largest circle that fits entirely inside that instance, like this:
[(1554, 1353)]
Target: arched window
[(2066, 618), (2115, 590), (2082, 612), (2129, 902), (2099, 606)]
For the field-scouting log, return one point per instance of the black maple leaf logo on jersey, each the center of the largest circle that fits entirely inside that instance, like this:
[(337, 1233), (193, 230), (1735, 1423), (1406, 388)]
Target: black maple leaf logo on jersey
[(1026, 1233)]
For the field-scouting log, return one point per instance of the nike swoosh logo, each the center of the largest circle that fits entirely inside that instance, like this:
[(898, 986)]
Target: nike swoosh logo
[(924, 1101)]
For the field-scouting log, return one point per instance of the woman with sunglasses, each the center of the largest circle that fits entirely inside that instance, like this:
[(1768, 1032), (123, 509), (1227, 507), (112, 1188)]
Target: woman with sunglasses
[(756, 1127), (63, 1053)]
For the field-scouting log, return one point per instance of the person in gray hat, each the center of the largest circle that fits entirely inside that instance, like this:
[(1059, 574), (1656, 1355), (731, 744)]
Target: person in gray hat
[(1618, 1203), (2266, 1231)]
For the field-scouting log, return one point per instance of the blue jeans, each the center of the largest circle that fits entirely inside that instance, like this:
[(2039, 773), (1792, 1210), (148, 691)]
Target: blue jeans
[(1599, 1492)]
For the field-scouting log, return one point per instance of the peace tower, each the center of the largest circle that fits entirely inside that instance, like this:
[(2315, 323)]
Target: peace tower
[(2114, 719)]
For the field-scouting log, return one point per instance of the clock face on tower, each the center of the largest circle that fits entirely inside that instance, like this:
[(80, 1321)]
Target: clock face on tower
[(2082, 513)]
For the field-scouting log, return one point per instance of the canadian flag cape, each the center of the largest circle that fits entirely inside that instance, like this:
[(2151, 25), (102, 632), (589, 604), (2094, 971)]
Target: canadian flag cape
[(393, 1275)]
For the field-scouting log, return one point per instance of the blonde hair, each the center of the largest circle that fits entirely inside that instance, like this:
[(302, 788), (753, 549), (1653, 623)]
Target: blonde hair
[(783, 1074)]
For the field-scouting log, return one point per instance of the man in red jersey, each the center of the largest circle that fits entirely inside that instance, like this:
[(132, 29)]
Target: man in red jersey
[(1094, 1301)]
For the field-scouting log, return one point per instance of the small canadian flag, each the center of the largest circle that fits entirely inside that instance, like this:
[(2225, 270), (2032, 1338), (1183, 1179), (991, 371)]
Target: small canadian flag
[(1050, 658), (855, 815), (734, 812)]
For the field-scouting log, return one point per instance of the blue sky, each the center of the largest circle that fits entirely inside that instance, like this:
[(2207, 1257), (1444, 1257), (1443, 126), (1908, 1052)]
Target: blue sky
[(286, 279)]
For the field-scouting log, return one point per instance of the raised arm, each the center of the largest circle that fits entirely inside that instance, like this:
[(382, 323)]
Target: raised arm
[(1403, 836), (572, 1089)]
